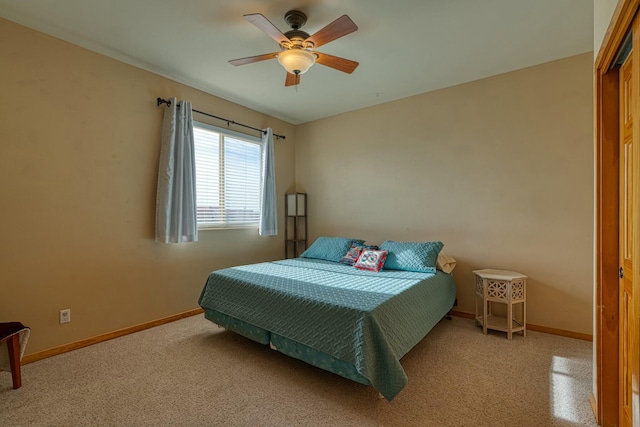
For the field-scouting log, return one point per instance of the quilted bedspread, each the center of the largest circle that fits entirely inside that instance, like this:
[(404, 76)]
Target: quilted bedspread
[(367, 319)]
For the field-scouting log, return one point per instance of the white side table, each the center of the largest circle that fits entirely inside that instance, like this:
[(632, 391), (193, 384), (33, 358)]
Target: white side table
[(504, 287)]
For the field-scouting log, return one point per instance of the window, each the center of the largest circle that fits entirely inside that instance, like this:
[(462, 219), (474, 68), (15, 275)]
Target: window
[(227, 177)]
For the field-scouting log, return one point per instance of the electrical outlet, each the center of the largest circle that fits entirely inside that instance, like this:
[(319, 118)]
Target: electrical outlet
[(65, 316)]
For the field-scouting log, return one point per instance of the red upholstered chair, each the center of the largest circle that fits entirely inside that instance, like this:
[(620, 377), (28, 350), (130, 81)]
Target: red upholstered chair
[(13, 336)]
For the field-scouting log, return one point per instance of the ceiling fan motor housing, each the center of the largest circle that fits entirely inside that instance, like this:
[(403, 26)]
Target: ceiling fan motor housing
[(297, 38)]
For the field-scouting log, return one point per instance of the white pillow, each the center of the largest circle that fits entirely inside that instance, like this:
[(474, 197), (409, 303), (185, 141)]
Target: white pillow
[(446, 262)]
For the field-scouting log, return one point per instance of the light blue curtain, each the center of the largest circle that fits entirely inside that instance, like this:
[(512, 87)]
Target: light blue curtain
[(176, 197), (268, 200)]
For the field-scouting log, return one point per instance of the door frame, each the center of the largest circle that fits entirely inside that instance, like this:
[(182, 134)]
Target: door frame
[(606, 134)]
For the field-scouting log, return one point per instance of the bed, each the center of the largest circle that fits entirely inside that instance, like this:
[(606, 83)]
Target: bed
[(355, 323)]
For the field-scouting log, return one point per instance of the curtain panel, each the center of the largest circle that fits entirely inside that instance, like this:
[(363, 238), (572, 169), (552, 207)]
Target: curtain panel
[(176, 220), (268, 199)]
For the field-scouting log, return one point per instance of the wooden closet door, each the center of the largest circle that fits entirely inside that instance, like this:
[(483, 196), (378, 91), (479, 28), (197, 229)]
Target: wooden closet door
[(626, 240), (629, 304)]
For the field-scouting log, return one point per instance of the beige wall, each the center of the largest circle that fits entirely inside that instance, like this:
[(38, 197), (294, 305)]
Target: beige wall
[(79, 147), (500, 170)]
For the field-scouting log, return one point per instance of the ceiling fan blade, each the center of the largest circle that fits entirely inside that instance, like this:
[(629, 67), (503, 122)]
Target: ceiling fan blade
[(265, 25), (335, 62), (292, 79), (338, 28), (251, 59)]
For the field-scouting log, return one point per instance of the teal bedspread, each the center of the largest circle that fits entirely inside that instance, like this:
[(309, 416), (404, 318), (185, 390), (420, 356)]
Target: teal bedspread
[(367, 319)]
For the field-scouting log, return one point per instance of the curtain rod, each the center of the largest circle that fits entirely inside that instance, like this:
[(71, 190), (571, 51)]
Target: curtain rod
[(229, 122)]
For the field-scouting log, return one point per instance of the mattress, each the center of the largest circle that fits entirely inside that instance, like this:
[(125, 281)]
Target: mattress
[(367, 320)]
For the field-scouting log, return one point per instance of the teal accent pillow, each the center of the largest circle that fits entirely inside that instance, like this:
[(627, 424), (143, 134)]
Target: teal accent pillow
[(412, 256), (330, 248)]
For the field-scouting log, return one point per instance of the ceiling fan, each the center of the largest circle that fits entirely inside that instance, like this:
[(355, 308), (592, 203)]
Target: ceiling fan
[(298, 48)]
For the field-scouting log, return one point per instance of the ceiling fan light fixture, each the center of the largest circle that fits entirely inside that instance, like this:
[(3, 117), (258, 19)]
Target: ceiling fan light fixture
[(296, 61)]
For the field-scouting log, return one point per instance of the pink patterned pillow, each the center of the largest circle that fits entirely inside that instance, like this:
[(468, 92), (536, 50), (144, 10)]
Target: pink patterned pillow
[(354, 252), (371, 260)]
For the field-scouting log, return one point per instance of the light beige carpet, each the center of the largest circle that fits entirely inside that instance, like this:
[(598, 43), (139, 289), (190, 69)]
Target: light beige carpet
[(191, 373)]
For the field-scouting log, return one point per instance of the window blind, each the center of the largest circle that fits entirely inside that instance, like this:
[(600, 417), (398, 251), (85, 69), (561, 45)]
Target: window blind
[(227, 178)]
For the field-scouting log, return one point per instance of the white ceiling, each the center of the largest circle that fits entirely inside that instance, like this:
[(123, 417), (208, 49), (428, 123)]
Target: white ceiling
[(404, 47)]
